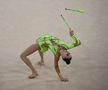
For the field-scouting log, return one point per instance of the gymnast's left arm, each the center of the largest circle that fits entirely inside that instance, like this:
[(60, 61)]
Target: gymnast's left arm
[(76, 42)]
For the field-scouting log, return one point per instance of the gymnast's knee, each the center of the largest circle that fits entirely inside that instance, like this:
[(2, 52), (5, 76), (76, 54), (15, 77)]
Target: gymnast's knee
[(22, 56)]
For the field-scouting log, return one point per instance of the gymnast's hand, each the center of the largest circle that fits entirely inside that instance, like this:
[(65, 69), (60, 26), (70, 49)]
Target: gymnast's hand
[(71, 32)]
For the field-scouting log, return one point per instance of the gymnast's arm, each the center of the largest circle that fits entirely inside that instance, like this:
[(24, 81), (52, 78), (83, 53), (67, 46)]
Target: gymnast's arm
[(56, 59), (76, 42)]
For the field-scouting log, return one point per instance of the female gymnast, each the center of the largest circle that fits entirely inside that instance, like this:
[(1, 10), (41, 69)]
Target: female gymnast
[(58, 48)]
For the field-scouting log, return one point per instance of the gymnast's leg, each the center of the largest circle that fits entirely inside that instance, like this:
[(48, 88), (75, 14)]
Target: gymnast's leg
[(26, 60), (42, 58)]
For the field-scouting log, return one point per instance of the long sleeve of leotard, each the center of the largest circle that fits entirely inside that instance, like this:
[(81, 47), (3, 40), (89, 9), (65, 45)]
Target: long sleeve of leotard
[(54, 48), (76, 42)]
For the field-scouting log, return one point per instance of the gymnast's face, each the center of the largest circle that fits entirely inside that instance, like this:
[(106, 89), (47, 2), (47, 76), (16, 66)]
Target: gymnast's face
[(66, 56)]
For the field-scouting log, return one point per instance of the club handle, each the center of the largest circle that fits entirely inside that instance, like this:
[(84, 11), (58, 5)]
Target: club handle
[(65, 21)]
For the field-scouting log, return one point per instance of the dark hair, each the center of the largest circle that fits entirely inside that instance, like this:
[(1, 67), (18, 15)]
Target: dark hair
[(67, 60)]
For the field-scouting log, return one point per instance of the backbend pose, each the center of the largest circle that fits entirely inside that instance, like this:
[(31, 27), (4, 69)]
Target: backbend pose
[(58, 48)]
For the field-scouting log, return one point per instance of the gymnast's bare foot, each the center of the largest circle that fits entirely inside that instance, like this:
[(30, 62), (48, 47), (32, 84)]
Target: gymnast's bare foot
[(41, 63), (33, 75)]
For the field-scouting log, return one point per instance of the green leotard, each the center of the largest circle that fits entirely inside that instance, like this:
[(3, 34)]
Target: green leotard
[(54, 43)]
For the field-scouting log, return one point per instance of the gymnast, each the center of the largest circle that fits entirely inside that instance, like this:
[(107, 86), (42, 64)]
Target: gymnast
[(58, 48)]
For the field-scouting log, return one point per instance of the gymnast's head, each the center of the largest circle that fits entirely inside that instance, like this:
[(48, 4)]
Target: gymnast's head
[(66, 56)]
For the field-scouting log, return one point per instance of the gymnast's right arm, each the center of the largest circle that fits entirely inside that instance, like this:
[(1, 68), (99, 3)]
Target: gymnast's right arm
[(56, 59)]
